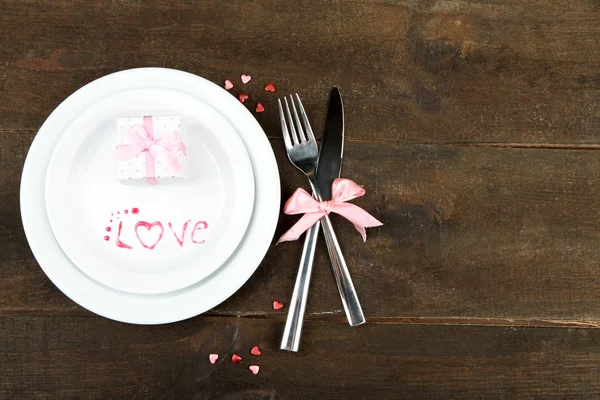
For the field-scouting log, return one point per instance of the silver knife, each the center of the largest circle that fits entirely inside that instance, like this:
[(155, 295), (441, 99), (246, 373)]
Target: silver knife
[(329, 168)]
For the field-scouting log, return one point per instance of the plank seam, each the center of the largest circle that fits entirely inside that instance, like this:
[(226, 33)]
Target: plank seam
[(328, 317), (544, 146)]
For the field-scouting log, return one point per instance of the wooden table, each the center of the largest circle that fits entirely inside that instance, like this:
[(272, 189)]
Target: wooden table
[(473, 125)]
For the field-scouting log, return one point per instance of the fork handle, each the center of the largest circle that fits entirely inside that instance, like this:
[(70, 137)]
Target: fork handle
[(345, 286), (295, 317)]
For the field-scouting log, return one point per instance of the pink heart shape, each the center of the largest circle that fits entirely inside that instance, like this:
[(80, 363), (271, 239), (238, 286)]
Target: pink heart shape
[(228, 84), (213, 358), (148, 226), (270, 87), (255, 351), (246, 78), (277, 305), (254, 369), (259, 107)]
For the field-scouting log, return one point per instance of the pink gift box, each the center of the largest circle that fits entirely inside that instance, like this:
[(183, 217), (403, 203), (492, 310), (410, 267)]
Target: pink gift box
[(150, 150)]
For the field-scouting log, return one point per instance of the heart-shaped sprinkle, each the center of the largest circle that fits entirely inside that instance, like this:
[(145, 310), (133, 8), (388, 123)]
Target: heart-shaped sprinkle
[(235, 358), (277, 305), (259, 107), (246, 78), (228, 84), (243, 97), (255, 351), (213, 358), (270, 88), (254, 369)]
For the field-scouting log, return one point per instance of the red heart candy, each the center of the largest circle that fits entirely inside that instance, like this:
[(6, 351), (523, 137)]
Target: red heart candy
[(270, 87), (246, 78), (259, 107), (254, 369), (255, 351), (228, 84), (277, 305), (243, 97), (235, 358)]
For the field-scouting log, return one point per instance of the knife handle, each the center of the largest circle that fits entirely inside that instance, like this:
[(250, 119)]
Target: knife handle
[(345, 286), (295, 317)]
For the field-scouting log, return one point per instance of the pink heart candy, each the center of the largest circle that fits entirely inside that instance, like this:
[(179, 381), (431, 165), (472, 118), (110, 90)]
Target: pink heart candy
[(255, 351), (277, 305), (254, 369), (246, 78), (228, 84), (213, 358)]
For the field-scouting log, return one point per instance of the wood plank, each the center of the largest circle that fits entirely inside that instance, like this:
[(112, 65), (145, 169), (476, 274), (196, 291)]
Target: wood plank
[(64, 357), (420, 72), (469, 232)]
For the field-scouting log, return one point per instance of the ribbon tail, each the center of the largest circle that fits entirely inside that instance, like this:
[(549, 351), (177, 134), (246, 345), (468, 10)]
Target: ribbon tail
[(301, 226), (172, 141), (170, 158), (362, 231), (174, 162), (183, 148), (359, 217)]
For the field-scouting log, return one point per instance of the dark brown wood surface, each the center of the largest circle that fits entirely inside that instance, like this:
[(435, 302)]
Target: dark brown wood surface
[(473, 125)]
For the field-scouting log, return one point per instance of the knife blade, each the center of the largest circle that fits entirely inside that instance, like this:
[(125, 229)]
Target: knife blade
[(331, 153), (329, 167)]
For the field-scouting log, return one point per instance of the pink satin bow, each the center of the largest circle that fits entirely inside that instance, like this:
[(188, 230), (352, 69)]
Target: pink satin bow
[(342, 190), (142, 141)]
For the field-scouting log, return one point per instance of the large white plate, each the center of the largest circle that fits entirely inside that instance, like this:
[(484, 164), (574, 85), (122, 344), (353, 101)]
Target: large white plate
[(168, 307), (180, 232)]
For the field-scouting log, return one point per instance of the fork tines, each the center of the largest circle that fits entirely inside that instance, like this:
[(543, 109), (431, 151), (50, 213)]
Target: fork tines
[(296, 128)]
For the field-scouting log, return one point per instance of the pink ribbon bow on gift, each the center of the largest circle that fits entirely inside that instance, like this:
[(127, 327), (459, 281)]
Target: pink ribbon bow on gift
[(342, 190), (142, 141)]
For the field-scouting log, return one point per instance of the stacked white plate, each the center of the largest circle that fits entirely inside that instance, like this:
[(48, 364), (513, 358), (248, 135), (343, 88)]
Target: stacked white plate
[(150, 254)]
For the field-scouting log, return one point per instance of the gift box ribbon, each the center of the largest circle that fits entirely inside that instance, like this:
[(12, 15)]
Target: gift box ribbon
[(342, 190), (142, 141)]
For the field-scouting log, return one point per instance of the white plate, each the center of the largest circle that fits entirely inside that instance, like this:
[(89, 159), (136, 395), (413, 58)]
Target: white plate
[(180, 232), (168, 307)]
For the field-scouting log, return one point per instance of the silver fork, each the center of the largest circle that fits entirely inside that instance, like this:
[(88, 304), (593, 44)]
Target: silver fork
[(303, 153)]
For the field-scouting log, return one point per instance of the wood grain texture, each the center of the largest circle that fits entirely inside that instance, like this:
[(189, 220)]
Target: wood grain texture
[(468, 232), (473, 125), (410, 71), (68, 358)]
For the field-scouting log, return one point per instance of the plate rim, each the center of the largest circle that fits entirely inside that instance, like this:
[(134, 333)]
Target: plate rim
[(254, 138)]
